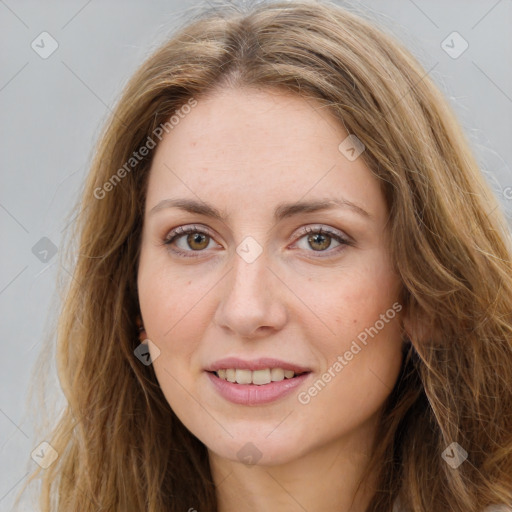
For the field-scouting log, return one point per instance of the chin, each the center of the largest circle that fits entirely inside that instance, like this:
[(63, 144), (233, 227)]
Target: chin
[(256, 446)]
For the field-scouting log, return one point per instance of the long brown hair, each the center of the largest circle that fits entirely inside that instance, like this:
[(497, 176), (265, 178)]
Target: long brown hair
[(120, 445)]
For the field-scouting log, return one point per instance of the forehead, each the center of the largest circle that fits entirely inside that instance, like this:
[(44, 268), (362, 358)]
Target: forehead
[(246, 147), (242, 123)]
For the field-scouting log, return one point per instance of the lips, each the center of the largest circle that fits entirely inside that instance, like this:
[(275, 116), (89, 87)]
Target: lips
[(253, 394), (255, 382)]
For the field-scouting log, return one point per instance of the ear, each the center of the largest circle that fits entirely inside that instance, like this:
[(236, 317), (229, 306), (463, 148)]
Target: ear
[(141, 330), (418, 327)]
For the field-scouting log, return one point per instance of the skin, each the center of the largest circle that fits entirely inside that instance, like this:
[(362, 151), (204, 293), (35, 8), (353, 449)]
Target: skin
[(245, 152)]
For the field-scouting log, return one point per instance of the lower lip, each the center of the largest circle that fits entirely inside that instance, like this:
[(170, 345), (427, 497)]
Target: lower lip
[(252, 394)]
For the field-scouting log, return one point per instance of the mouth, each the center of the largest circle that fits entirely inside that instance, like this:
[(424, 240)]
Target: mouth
[(256, 382), (256, 377)]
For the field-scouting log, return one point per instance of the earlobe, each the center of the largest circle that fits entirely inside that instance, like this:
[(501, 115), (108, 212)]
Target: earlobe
[(411, 330), (417, 328), (141, 329), (406, 327)]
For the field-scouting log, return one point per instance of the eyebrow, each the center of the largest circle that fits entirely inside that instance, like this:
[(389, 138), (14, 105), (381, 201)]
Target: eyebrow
[(282, 211)]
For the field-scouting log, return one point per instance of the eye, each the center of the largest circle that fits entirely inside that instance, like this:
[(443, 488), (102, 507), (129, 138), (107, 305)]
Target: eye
[(320, 239), (195, 239)]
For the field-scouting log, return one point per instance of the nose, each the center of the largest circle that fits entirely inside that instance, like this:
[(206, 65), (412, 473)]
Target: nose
[(252, 299)]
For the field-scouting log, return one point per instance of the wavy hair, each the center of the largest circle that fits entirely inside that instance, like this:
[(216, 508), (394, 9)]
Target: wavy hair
[(120, 445)]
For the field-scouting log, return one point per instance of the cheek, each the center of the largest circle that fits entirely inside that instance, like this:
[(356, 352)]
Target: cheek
[(353, 302), (358, 376), (172, 314), (364, 331), (172, 311), (170, 301)]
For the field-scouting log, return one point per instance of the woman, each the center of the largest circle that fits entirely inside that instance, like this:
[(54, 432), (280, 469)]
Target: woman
[(293, 288)]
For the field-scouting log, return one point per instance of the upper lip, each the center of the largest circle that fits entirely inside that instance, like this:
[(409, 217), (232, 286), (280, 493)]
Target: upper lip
[(255, 364)]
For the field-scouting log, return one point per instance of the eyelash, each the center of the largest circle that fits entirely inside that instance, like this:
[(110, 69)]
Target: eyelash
[(181, 231)]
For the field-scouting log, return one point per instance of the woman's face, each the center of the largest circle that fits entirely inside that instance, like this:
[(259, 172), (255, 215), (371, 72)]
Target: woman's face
[(257, 292)]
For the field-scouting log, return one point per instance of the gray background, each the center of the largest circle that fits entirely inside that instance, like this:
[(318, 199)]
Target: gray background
[(52, 110)]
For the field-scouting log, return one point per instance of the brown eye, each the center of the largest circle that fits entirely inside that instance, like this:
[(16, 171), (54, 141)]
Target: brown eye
[(192, 239), (319, 240), (196, 241)]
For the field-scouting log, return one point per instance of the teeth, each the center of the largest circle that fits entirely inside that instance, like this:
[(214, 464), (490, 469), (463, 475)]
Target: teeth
[(261, 377), (258, 377), (243, 376), (277, 374)]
